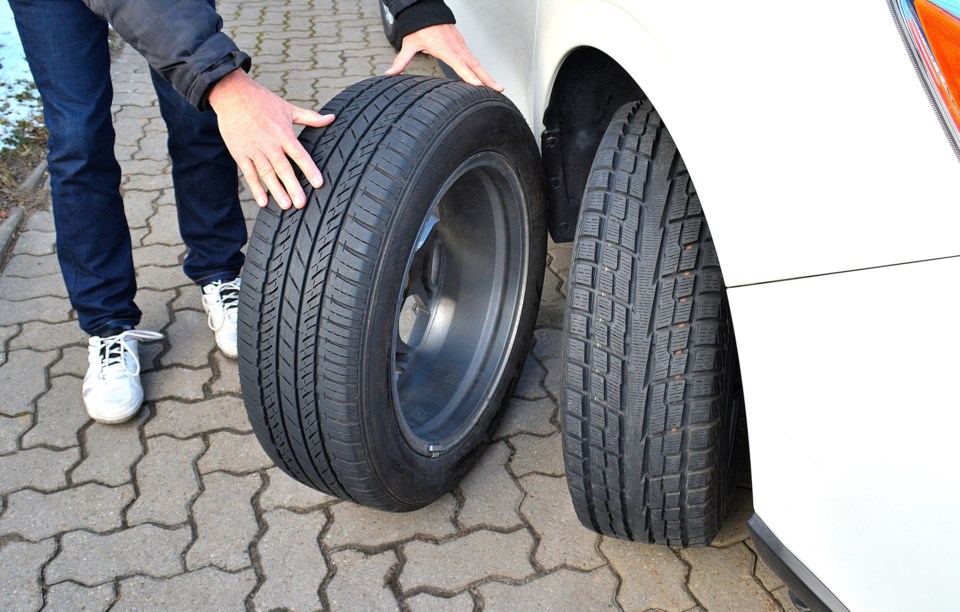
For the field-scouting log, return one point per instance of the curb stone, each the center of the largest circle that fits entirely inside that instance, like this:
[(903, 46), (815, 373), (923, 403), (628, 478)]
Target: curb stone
[(8, 229)]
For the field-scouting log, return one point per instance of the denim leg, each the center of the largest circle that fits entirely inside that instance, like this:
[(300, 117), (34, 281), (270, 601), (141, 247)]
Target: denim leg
[(66, 47), (205, 188)]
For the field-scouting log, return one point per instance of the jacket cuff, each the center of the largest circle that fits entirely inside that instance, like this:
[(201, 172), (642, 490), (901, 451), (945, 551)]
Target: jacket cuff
[(215, 59), (422, 14)]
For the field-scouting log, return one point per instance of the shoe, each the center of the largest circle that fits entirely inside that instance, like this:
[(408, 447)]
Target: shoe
[(220, 300), (111, 388)]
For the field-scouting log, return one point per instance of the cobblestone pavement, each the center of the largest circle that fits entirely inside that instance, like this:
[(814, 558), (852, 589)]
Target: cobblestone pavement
[(181, 509)]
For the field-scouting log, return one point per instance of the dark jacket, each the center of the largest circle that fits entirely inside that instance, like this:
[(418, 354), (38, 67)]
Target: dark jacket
[(182, 39)]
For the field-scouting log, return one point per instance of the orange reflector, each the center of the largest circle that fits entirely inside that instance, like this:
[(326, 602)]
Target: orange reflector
[(943, 36)]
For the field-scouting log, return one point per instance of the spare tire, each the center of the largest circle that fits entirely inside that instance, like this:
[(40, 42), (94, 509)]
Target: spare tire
[(383, 327)]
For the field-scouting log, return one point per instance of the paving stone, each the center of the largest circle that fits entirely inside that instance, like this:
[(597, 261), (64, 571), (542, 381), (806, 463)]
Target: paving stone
[(181, 383), (185, 420), (73, 361), (722, 579), (161, 277), (35, 243), (650, 576), (157, 255), (764, 574), (22, 379), (782, 595), (360, 581), (91, 559), (111, 451), (11, 428), (491, 496), (47, 308), (524, 416), (41, 221), (528, 387), (205, 589), (36, 516), (16, 289), (226, 523), (163, 227), (455, 565), (549, 344), (39, 336), (735, 525), (563, 540), (190, 342), (70, 597), (590, 591), (228, 380), (430, 603), (286, 492), (29, 266), (560, 257), (286, 549), (20, 578), (138, 206), (533, 454), (60, 415), (553, 381), (39, 468), (230, 452), (358, 525), (167, 481), (552, 303)]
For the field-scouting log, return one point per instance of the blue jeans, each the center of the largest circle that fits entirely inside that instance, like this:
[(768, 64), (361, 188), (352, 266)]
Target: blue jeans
[(66, 47)]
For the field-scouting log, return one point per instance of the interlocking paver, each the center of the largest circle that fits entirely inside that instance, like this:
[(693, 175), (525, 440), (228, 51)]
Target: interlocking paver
[(36, 516), (70, 597), (285, 492), (35, 243), (735, 527), (360, 581), (157, 255), (41, 221), (155, 316), (226, 523), (181, 420), (563, 541), (167, 481), (91, 559), (228, 379), (20, 578), (59, 416), (47, 308), (292, 564), (525, 416), (204, 589), (529, 387), (22, 379), (356, 525), (491, 496), (431, 603), (39, 336), (190, 344), (762, 571), (181, 383), (11, 428), (591, 591), (536, 454), (713, 572), (650, 576), (16, 289), (161, 277), (39, 468), (138, 206), (29, 266), (111, 451), (454, 565), (230, 452)]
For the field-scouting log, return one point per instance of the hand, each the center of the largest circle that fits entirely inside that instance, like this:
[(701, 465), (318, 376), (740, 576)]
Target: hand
[(445, 43), (257, 127)]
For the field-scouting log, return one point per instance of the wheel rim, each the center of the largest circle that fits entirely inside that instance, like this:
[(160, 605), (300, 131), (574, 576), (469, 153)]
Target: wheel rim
[(459, 308)]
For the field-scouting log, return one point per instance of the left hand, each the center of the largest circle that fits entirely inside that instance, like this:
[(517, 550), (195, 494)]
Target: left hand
[(445, 43)]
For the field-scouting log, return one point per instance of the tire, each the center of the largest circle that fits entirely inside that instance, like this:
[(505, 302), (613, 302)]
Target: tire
[(652, 394), (383, 327), (390, 26)]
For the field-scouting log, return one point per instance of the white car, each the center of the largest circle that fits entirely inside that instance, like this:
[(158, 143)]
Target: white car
[(383, 328)]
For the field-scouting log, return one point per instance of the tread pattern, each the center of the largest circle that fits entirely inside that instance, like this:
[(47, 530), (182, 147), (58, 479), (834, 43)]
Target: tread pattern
[(308, 276), (646, 341)]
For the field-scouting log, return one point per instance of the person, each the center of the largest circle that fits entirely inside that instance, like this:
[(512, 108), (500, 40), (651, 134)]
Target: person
[(218, 119)]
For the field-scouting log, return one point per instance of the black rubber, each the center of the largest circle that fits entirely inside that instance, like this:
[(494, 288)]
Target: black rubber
[(651, 381), (390, 27), (322, 288)]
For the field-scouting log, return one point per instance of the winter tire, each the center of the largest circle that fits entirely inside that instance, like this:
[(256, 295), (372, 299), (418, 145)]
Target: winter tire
[(652, 395), (383, 327)]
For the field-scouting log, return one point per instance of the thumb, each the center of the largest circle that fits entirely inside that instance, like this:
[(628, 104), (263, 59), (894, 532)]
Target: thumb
[(304, 116), (400, 62)]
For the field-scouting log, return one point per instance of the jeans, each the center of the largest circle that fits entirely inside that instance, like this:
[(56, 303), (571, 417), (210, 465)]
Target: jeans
[(67, 50)]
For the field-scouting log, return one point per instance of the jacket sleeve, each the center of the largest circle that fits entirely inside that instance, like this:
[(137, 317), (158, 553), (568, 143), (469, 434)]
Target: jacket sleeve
[(413, 15), (181, 40)]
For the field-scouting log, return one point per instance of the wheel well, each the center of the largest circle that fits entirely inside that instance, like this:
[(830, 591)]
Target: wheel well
[(588, 90)]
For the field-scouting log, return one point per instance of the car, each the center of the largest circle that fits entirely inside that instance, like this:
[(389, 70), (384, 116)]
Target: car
[(762, 200)]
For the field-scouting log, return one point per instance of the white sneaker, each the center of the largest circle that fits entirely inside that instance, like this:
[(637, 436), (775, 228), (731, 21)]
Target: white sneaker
[(111, 388), (220, 300)]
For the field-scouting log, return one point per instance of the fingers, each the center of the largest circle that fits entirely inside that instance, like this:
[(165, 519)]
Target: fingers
[(291, 186), (303, 116), (253, 181), (407, 53), (269, 178)]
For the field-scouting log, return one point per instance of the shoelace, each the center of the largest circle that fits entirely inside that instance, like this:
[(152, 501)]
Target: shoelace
[(112, 350), (228, 292)]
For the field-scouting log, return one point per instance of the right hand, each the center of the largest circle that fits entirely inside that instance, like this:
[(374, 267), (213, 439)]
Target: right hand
[(257, 127)]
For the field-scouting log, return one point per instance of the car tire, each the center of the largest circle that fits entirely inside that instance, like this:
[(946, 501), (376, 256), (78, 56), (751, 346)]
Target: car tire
[(383, 327), (390, 26), (652, 392)]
